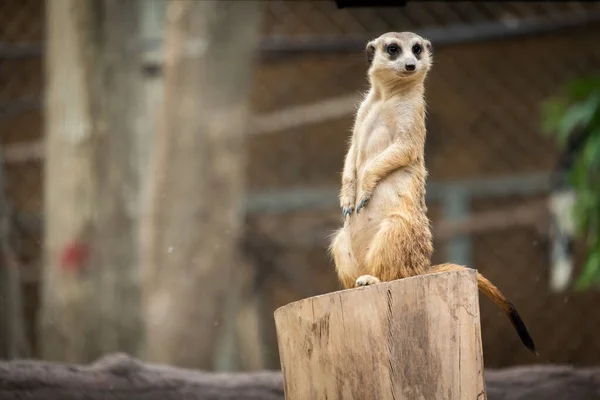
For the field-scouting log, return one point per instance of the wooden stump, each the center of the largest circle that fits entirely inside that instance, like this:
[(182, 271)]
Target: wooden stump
[(416, 338)]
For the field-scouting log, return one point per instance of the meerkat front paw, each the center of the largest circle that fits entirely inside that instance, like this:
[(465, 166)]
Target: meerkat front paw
[(367, 187), (363, 202), (347, 209), (347, 196), (366, 280)]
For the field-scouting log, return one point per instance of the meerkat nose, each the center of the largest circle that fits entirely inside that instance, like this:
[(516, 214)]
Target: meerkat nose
[(410, 65)]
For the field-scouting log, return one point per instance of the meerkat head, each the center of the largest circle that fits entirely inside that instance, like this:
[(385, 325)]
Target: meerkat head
[(397, 56)]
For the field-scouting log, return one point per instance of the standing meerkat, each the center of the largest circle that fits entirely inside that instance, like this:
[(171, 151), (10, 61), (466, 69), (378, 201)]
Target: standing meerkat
[(386, 232)]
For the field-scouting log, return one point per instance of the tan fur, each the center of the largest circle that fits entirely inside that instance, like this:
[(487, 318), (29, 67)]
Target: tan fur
[(386, 233), (390, 237)]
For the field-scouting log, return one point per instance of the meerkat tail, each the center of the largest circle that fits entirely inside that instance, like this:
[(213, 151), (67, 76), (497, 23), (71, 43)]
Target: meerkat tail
[(491, 291)]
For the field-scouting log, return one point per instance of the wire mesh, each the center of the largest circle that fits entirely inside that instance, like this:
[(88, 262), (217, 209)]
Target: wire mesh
[(483, 119), (21, 88)]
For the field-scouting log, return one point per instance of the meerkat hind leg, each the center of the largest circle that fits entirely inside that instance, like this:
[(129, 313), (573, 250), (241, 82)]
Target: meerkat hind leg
[(343, 257), (398, 250), (366, 280)]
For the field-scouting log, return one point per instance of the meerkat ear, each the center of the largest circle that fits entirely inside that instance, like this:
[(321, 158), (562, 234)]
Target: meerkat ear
[(370, 52), (429, 46)]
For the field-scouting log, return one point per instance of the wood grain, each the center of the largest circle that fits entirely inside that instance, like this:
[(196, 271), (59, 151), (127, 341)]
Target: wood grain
[(414, 338)]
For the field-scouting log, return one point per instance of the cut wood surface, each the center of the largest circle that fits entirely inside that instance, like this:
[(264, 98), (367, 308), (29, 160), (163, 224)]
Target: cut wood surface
[(119, 377), (414, 338)]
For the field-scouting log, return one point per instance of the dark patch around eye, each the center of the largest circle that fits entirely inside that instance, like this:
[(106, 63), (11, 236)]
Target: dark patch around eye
[(417, 51), (394, 51)]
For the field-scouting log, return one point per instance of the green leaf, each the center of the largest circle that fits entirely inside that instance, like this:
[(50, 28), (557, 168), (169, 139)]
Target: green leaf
[(578, 115), (552, 112), (591, 272), (591, 152), (579, 108), (581, 88)]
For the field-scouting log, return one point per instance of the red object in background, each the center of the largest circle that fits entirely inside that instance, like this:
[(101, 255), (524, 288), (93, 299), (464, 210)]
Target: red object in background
[(74, 256)]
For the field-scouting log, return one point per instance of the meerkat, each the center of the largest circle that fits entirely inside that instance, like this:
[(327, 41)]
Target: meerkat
[(386, 232)]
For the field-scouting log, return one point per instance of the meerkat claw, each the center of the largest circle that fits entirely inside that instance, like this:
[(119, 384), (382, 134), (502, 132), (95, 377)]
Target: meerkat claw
[(347, 211), (363, 203), (366, 280)]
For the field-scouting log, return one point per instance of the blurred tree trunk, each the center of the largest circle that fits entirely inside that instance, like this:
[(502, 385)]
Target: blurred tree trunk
[(91, 298), (196, 187), (152, 15)]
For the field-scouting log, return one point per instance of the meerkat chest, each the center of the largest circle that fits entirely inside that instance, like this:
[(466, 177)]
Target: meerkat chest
[(379, 127)]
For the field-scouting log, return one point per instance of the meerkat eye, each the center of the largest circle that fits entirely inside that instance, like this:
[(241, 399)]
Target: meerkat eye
[(416, 49), (393, 49)]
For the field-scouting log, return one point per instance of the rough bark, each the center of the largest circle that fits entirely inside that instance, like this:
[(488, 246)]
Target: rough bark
[(91, 300), (118, 377), (195, 199)]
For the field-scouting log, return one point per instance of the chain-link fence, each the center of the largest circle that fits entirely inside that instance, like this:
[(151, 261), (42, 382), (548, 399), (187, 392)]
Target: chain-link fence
[(21, 129), (489, 164)]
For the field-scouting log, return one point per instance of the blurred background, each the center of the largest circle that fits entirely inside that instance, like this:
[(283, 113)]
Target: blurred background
[(170, 171)]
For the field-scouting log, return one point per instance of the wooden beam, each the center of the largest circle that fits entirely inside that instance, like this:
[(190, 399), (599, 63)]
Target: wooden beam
[(297, 116), (412, 338), (528, 214), (274, 122), (31, 151), (297, 199), (531, 214), (455, 205), (275, 47), (119, 377)]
